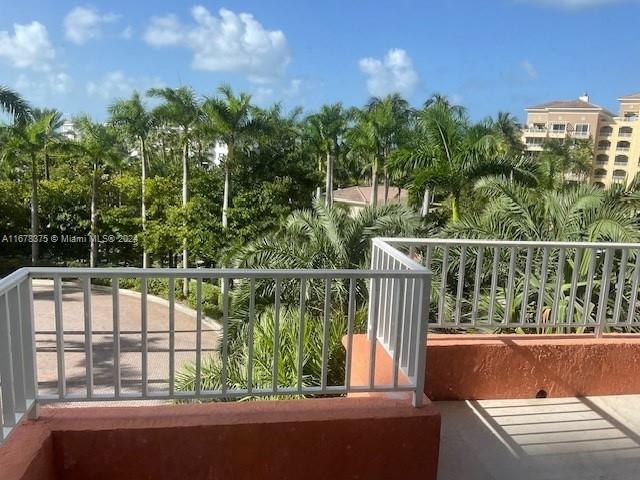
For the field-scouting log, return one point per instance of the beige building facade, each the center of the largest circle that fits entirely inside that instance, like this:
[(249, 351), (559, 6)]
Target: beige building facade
[(616, 138)]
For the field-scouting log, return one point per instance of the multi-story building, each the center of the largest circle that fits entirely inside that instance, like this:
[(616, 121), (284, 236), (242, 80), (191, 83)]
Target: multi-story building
[(616, 139)]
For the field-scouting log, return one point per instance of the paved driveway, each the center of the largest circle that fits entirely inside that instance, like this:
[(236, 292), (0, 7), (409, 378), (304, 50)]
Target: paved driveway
[(102, 333)]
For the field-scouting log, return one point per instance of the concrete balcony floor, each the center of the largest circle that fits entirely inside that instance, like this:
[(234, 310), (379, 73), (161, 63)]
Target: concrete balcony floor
[(561, 438)]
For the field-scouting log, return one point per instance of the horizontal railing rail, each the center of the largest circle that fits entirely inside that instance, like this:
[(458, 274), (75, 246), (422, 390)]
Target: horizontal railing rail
[(560, 287), (80, 334)]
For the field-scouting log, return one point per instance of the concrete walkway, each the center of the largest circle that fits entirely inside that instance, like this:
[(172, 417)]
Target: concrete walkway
[(102, 327), (594, 438)]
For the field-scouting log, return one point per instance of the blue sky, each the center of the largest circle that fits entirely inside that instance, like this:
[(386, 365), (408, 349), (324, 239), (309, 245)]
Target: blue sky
[(487, 55)]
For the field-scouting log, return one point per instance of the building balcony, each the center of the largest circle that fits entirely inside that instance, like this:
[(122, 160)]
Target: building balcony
[(539, 132), (534, 147), (71, 336), (624, 135), (581, 135), (622, 149), (557, 134)]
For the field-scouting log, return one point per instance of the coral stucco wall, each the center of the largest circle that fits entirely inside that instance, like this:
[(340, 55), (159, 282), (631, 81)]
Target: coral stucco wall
[(461, 367), (340, 438)]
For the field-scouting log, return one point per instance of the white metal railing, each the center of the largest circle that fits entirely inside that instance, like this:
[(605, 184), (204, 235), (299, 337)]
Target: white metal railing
[(305, 302), (580, 134), (546, 286), (622, 149), (534, 130)]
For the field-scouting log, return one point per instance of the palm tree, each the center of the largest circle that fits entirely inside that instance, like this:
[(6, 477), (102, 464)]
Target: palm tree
[(231, 119), (364, 143), (180, 109), (577, 213), (52, 122), (30, 139), (451, 155), (559, 158), (390, 117), (138, 122), (12, 103), (97, 146), (329, 126)]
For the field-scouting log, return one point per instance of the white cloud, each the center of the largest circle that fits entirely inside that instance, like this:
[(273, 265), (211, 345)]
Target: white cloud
[(116, 84), (28, 47), (229, 42), (393, 74), (529, 69), (45, 85), (85, 23), (571, 4), (127, 33)]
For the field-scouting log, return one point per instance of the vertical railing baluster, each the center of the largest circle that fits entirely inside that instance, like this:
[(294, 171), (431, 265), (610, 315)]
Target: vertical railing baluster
[(115, 301), (511, 279), (198, 379), (57, 298), (575, 278), (144, 337), (373, 323), (225, 334), (558, 289), (542, 285), (276, 336), (172, 336), (589, 289), (460, 291), (526, 282), (252, 315), (88, 335), (633, 295), (397, 331), (303, 296), (6, 366), (351, 313), (622, 270), (13, 304), (494, 284), (603, 298), (393, 301), (443, 284), (477, 284), (325, 334)]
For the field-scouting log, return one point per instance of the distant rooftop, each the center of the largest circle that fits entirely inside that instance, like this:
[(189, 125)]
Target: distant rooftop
[(568, 104), (632, 96), (362, 195)]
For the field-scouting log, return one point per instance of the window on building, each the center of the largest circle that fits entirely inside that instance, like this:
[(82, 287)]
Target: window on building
[(606, 131), (599, 172), (621, 160), (602, 158), (558, 127), (582, 128), (534, 141)]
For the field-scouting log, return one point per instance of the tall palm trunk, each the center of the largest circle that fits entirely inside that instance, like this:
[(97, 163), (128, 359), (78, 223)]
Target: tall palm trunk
[(329, 181), (93, 255), (185, 199), (386, 186), (455, 207), (34, 211), (227, 184), (46, 166), (374, 183), (426, 202), (143, 208), (319, 188)]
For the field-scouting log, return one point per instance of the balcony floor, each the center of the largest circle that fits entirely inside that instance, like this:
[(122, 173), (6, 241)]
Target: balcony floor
[(559, 438)]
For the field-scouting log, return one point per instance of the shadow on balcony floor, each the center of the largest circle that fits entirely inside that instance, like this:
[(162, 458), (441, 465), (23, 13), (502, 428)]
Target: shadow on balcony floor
[(562, 438)]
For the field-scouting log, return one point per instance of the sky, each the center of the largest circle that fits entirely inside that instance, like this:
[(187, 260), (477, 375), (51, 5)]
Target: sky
[(488, 55)]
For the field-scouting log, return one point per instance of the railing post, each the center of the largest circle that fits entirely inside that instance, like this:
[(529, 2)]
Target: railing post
[(421, 339), (29, 347)]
